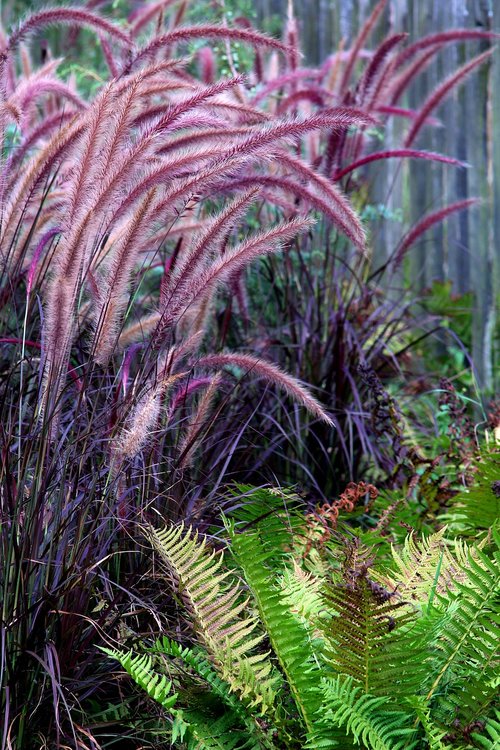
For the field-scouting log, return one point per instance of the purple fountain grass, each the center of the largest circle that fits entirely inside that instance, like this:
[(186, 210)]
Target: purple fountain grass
[(113, 289), (205, 246), (359, 42), (141, 17), (409, 114), (377, 71), (23, 186), (428, 221), (275, 84), (207, 65), (204, 31), (193, 385), (256, 144), (374, 82), (313, 95), (44, 241), (135, 434), (30, 90), (398, 153), (442, 38), (194, 430), (105, 133), (402, 81), (37, 133), (71, 16), (270, 372), (442, 91), (139, 331), (189, 290), (219, 132), (130, 222)]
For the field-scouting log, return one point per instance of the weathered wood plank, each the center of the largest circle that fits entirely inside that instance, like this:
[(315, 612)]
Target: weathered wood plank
[(466, 249)]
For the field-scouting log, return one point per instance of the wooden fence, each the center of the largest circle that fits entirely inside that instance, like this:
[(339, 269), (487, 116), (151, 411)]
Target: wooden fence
[(466, 249)]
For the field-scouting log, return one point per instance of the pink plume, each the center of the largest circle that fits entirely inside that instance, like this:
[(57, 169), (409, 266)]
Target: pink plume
[(143, 15), (44, 241), (270, 372), (358, 44), (72, 16), (204, 31), (401, 153), (191, 387), (442, 91), (441, 38), (206, 64), (429, 221), (410, 114)]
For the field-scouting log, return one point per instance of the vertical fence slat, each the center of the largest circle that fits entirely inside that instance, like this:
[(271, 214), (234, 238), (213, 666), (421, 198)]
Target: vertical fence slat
[(466, 250)]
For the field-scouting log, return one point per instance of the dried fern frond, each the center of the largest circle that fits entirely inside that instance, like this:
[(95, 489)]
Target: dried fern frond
[(219, 612)]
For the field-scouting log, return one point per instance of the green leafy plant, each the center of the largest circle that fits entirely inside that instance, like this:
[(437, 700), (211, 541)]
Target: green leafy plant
[(475, 509), (326, 645)]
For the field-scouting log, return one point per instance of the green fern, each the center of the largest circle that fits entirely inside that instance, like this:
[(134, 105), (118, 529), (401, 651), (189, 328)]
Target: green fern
[(342, 658), (199, 664), (434, 735), (289, 638), (369, 719), (469, 639), (201, 732), (215, 600), (197, 729), (490, 740), (424, 567), (302, 593), (140, 668), (477, 508)]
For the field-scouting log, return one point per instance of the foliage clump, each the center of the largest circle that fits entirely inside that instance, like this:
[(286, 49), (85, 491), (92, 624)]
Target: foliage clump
[(165, 231), (332, 645)]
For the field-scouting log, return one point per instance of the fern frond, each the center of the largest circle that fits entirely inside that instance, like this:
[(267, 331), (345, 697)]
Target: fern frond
[(371, 720), (433, 734), (235, 729), (302, 593), (425, 567), (367, 637), (201, 732), (276, 512), (140, 668), (477, 508), (490, 740), (204, 669), (288, 637), (216, 605), (469, 640), (472, 698)]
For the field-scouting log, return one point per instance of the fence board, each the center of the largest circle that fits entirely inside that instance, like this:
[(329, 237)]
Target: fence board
[(466, 249)]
